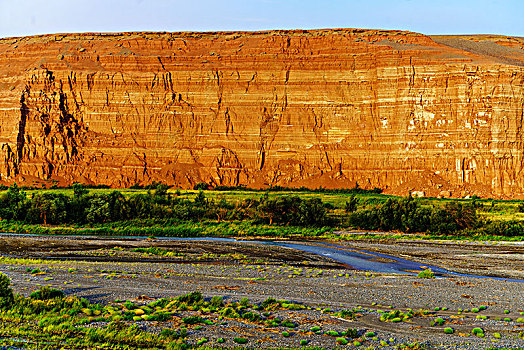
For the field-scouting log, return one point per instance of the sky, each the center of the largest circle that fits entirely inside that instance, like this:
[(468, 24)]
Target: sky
[(29, 17)]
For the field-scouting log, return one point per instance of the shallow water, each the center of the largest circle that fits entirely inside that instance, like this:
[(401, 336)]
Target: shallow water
[(358, 259)]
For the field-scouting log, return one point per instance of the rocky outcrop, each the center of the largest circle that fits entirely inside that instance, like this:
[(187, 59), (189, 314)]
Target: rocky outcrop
[(397, 110)]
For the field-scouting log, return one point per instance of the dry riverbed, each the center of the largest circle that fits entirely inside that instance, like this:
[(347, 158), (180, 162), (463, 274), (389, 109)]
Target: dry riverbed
[(105, 270)]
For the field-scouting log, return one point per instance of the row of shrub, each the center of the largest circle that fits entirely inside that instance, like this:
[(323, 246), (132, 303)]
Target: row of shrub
[(83, 207), (355, 190)]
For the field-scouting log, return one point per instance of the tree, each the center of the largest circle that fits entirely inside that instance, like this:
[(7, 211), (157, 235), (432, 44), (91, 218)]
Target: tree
[(292, 210), (119, 207), (352, 204), (311, 212), (48, 208), (201, 186), (79, 190), (98, 210), (12, 203), (200, 199)]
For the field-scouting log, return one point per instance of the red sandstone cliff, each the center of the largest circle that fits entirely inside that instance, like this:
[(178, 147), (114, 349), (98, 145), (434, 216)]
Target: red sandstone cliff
[(390, 109)]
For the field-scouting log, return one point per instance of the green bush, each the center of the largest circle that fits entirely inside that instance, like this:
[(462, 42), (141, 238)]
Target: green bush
[(438, 321), (191, 298), (396, 316), (270, 304), (333, 333), (426, 273), (202, 341), (216, 302), (288, 324), (354, 333), (449, 330), (478, 331), (342, 341), (408, 215), (6, 293), (192, 320), (251, 316), (240, 340), (178, 344), (45, 293), (347, 314)]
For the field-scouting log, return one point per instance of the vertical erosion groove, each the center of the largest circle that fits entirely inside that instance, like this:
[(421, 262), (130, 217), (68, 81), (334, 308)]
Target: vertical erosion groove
[(20, 139)]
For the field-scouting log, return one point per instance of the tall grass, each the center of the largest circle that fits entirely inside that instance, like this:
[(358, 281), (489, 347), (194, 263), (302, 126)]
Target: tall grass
[(165, 228)]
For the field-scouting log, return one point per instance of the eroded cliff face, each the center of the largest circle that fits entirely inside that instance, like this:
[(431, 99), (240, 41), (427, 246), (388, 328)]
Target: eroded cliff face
[(389, 109)]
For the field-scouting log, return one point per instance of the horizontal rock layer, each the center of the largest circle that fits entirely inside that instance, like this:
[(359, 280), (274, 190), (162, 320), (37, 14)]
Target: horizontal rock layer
[(397, 110)]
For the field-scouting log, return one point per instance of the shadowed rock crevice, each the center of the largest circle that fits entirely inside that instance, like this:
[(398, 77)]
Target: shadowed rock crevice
[(20, 139)]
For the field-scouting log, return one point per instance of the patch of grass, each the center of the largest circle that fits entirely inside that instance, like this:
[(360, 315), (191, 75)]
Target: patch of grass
[(342, 341), (438, 321), (288, 324), (156, 251), (332, 333), (479, 332), (426, 273), (449, 330), (397, 315), (240, 340)]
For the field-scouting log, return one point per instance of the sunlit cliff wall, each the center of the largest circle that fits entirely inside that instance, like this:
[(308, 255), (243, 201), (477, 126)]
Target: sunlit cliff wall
[(397, 110)]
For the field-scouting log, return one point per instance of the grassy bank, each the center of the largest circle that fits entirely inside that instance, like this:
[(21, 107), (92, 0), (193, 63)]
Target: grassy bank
[(166, 228), (242, 230)]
